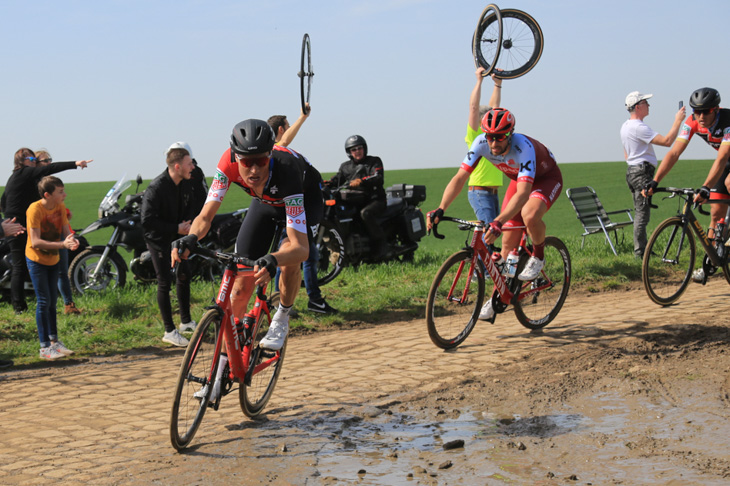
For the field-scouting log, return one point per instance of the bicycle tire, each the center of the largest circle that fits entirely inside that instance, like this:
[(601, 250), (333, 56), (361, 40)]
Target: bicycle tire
[(305, 73), (486, 43), (255, 395), (198, 367), (668, 262), (521, 43), (538, 310), (449, 322), (332, 254)]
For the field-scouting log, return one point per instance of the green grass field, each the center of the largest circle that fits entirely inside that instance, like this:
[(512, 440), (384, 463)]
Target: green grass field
[(128, 318)]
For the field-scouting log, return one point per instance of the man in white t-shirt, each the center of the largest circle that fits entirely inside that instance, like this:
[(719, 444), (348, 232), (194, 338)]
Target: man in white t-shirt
[(637, 138)]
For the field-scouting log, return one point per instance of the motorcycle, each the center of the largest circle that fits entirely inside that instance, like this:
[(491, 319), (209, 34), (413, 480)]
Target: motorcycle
[(343, 239), (99, 267)]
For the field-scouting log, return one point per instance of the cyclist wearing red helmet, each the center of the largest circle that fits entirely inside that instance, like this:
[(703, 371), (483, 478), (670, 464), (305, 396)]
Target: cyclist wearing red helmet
[(536, 184)]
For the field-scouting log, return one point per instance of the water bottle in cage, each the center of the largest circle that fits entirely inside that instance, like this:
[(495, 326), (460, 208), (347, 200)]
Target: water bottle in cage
[(512, 259)]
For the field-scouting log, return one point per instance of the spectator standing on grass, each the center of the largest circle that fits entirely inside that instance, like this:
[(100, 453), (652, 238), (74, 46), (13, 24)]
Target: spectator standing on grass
[(486, 179), (637, 138), (48, 232), (9, 227), (20, 191), (285, 134), (197, 178), (167, 211), (64, 284)]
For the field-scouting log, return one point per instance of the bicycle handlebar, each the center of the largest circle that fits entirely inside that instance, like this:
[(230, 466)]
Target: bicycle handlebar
[(470, 224), (688, 192)]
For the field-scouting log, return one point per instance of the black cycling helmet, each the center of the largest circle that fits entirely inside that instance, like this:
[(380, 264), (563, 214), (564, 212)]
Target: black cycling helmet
[(354, 141), (704, 99), (251, 137)]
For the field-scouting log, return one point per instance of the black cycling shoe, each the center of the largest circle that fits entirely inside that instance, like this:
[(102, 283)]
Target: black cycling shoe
[(321, 306)]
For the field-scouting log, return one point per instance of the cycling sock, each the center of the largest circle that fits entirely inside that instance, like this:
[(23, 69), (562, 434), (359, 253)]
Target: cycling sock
[(222, 362), (283, 311), (539, 251)]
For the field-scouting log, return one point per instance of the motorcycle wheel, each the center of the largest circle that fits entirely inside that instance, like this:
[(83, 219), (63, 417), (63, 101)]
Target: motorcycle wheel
[(113, 275), (331, 248)]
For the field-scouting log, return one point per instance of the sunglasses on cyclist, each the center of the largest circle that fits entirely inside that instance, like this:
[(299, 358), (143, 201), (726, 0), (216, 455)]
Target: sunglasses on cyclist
[(697, 111), (259, 161), (498, 138)]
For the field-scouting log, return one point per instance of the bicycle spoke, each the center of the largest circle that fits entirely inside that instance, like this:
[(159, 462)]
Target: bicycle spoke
[(668, 261)]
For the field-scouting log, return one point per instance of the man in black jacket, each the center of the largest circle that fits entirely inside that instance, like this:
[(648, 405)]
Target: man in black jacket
[(167, 211), (364, 176)]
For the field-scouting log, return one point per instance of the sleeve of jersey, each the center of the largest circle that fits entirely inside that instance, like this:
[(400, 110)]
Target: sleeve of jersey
[(475, 154), (686, 131), (296, 218), (726, 137), (528, 163), (218, 187)]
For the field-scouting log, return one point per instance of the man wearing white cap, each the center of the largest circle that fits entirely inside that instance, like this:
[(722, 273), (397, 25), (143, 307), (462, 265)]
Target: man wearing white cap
[(637, 138)]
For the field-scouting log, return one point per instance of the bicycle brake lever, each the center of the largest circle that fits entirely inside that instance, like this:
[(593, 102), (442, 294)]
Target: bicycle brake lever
[(436, 232)]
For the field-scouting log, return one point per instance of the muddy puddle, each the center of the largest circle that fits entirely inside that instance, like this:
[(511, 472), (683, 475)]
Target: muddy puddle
[(608, 439)]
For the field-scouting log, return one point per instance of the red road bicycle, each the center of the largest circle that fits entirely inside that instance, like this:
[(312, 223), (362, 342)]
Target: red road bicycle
[(457, 292), (253, 368)]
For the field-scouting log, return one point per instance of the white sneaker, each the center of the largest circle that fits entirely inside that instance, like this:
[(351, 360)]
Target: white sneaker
[(173, 337), (50, 353), (487, 311), (58, 346), (698, 275), (532, 269), (187, 326), (276, 335)]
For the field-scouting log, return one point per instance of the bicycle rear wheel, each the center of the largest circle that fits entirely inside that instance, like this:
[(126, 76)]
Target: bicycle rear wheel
[(487, 40), (521, 43), (536, 310), (455, 300), (196, 372), (266, 364), (306, 73), (669, 259)]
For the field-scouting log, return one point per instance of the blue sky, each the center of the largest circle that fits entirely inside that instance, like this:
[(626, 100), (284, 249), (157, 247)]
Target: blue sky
[(119, 81)]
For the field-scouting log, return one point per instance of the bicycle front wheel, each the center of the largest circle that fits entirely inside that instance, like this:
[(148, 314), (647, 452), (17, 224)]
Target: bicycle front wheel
[(196, 373), (521, 44), (487, 40), (455, 300), (669, 259), (541, 299), (264, 369)]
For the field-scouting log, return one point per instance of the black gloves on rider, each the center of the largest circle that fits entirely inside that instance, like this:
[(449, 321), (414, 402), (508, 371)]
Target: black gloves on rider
[(651, 186), (704, 192), (185, 243), (269, 263)]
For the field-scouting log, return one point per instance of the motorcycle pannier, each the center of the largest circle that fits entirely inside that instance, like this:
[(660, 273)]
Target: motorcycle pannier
[(412, 194), (415, 224)]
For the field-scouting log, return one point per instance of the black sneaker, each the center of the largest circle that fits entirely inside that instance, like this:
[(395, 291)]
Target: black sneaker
[(321, 307)]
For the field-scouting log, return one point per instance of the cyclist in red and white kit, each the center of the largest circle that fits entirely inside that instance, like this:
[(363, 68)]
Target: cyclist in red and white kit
[(285, 186), (535, 186), (712, 124)]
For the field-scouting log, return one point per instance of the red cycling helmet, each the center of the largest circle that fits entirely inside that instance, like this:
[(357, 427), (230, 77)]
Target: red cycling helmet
[(498, 121)]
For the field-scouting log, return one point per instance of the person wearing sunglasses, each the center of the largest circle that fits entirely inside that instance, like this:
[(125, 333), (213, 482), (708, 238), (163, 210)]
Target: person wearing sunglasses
[(712, 124), (21, 191), (637, 139), (284, 187), (535, 185), (364, 175)]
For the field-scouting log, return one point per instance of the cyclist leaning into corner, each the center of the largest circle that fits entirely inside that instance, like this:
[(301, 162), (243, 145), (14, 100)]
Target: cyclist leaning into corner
[(535, 186), (284, 186), (712, 124)]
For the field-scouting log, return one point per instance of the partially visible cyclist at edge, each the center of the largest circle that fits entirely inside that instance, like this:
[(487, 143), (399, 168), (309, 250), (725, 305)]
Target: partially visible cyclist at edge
[(284, 186), (712, 124), (535, 186)]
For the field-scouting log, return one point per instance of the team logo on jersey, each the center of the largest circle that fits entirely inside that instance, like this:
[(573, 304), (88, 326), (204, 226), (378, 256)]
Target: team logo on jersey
[(220, 181), (294, 206), (685, 131), (274, 190), (525, 166)]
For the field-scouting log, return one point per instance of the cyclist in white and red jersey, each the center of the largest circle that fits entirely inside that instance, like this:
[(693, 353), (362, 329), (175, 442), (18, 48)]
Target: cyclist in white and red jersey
[(285, 187), (535, 186), (712, 124)]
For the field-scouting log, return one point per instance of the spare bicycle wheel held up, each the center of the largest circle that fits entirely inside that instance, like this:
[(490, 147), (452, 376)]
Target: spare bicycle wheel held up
[(306, 73), (508, 44)]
